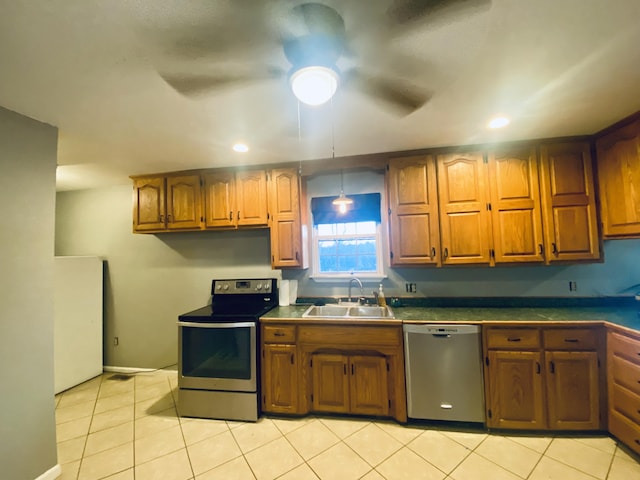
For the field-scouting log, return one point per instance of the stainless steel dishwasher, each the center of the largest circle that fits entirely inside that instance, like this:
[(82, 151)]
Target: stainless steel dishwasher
[(443, 365)]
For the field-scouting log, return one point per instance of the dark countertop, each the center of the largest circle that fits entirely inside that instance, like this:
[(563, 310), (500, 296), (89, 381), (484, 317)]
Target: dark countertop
[(626, 317)]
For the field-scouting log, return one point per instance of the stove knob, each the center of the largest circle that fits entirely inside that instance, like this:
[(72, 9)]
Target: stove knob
[(259, 286), (226, 286), (218, 287)]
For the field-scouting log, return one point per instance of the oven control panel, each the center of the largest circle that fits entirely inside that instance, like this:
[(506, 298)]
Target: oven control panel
[(264, 285)]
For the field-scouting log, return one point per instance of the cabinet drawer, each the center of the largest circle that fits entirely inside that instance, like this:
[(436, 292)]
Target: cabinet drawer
[(626, 403), (513, 338), (624, 347), (625, 373), (279, 333), (627, 431), (347, 335), (570, 339)]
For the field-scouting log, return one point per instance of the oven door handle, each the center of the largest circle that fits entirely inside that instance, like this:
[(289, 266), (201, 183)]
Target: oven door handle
[(216, 325)]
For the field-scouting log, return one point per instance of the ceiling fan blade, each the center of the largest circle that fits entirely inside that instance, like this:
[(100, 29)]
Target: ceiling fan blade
[(407, 11), (403, 96), (192, 85)]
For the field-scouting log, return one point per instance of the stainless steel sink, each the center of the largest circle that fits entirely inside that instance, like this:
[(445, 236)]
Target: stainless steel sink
[(346, 312)]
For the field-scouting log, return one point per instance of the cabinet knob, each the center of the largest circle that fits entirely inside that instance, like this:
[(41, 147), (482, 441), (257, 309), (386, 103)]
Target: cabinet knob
[(554, 249), (446, 253), (540, 249), (433, 252), (230, 216)]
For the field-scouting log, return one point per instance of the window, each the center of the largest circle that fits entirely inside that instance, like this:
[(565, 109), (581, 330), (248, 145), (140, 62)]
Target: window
[(350, 243)]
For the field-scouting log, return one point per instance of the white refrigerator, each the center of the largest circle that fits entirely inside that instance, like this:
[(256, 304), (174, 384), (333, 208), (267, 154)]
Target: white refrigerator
[(78, 315)]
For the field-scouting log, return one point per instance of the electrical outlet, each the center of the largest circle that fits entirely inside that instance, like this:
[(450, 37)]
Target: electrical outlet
[(410, 287), (573, 286), (116, 341)]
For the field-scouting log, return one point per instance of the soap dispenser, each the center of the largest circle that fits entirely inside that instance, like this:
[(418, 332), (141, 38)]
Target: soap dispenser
[(381, 300)]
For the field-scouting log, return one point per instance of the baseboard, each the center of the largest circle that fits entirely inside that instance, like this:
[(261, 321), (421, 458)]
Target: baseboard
[(51, 474), (132, 370)]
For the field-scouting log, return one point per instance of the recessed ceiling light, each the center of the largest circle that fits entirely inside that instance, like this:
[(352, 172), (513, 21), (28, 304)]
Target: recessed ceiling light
[(499, 122), (240, 148)]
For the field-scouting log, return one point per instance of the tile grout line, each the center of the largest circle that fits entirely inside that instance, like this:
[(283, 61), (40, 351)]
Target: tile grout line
[(184, 439)]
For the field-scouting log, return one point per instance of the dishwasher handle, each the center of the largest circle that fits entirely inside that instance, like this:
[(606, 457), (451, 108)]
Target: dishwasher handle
[(441, 335)]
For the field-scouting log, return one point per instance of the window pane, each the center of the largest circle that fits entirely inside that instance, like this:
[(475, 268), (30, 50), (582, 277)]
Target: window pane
[(327, 229), (366, 263), (366, 228), (366, 246), (347, 247), (347, 263), (329, 264), (346, 228), (327, 247)]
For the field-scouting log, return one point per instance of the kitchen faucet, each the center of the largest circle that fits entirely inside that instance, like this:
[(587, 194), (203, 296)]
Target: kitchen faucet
[(357, 280)]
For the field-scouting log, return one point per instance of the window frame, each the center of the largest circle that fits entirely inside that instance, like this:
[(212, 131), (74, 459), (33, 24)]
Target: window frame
[(319, 276)]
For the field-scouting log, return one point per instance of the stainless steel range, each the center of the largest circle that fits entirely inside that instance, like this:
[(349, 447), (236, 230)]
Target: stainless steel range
[(218, 351)]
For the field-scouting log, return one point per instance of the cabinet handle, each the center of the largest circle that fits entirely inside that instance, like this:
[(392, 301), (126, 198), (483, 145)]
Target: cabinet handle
[(571, 340), (513, 339), (161, 218), (446, 253), (538, 370), (230, 216), (344, 368), (637, 441), (352, 369), (278, 334), (433, 252), (292, 361), (554, 249), (552, 367), (297, 257), (540, 249), (238, 214), (169, 218)]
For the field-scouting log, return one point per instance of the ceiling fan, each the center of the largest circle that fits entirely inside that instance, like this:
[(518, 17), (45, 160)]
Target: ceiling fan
[(313, 38)]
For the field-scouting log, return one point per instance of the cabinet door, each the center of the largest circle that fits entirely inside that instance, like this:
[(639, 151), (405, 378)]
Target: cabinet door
[(516, 398), (568, 202), (219, 200), (183, 202), (515, 205), (572, 390), (330, 383), (465, 226), (280, 379), (368, 386), (413, 211), (619, 180), (149, 204), (251, 198), (286, 233)]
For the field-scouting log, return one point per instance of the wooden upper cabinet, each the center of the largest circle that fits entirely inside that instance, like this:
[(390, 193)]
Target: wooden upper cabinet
[(184, 202), (515, 205), (568, 202), (251, 197), (465, 226), (286, 230), (219, 199), (413, 211), (234, 199), (170, 202), (148, 204), (619, 181)]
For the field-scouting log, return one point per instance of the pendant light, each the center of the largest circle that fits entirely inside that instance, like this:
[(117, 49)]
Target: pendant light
[(342, 203)]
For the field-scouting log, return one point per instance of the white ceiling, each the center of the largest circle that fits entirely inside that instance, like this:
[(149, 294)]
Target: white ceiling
[(91, 68)]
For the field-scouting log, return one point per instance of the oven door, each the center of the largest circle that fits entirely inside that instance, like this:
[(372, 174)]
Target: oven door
[(217, 356)]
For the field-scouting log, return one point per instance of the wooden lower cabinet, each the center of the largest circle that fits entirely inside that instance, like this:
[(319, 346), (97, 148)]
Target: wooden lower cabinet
[(335, 369), (516, 395), (349, 384), (623, 380), (280, 379), (280, 369), (544, 378)]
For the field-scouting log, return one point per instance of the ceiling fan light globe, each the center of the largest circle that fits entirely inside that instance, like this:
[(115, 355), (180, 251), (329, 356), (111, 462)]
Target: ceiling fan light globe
[(314, 85)]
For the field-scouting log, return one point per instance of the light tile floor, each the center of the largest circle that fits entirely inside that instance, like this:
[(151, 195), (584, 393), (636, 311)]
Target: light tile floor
[(126, 427)]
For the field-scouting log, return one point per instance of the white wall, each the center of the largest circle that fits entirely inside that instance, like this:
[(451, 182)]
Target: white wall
[(27, 195), (151, 279)]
